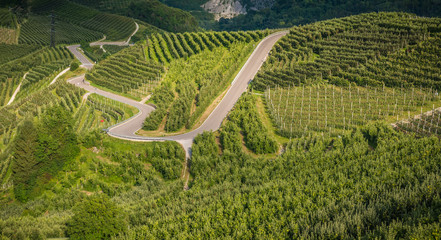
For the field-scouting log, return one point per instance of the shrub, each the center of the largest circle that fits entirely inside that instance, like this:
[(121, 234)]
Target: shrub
[(96, 218), (74, 66)]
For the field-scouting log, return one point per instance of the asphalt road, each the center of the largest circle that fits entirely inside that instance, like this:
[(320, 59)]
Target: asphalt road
[(127, 129), (85, 61)]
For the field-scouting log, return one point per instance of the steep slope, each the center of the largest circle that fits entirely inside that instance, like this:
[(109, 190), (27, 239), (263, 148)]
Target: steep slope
[(288, 13), (150, 11), (114, 27)]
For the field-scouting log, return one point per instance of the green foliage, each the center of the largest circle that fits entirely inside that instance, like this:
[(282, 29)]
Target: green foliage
[(112, 49), (288, 13), (12, 72), (205, 145), (95, 53), (320, 188), (179, 111), (36, 30), (92, 139), (328, 109), (25, 164), (201, 66), (127, 72), (96, 218), (74, 66), (150, 11), (40, 76), (369, 49), (230, 137), (114, 27), (41, 151), (245, 115), (162, 16), (99, 113), (169, 168), (58, 94), (204, 154), (166, 47), (7, 18), (426, 124), (11, 52)]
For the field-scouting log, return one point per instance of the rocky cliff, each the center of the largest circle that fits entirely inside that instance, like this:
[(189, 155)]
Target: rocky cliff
[(232, 8)]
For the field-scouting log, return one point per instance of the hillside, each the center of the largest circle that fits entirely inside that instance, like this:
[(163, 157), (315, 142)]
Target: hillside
[(337, 136), (150, 11), (288, 13), (114, 27), (380, 66), (8, 27), (196, 67)]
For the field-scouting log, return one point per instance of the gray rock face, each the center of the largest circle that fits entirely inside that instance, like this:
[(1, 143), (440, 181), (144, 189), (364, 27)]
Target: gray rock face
[(224, 8), (233, 8)]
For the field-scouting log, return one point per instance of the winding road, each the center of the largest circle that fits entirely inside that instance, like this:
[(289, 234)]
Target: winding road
[(127, 129), (85, 61)]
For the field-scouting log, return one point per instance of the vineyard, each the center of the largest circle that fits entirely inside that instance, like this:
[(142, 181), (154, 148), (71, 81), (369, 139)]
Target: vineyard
[(423, 125), (37, 31), (95, 113), (8, 29), (7, 19), (330, 109), (127, 72), (7, 87), (114, 27), (10, 52), (11, 73), (338, 137), (100, 113), (199, 66), (368, 49), (40, 77), (198, 80), (8, 36), (168, 46), (60, 93)]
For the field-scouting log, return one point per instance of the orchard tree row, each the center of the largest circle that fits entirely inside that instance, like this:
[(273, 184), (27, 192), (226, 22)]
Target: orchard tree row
[(330, 109), (368, 49)]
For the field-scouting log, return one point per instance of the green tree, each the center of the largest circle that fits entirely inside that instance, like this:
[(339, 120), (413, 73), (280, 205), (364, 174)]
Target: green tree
[(74, 66), (96, 218), (25, 164), (57, 141)]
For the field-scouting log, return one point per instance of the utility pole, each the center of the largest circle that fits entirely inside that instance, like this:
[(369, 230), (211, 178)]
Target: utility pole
[(52, 29)]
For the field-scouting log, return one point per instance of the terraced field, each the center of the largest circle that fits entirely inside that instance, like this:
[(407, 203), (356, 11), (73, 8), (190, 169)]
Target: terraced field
[(7, 19), (11, 73), (99, 113), (114, 27), (11, 51), (423, 125), (40, 77), (37, 31), (367, 49), (332, 110), (168, 46), (128, 72), (391, 61)]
